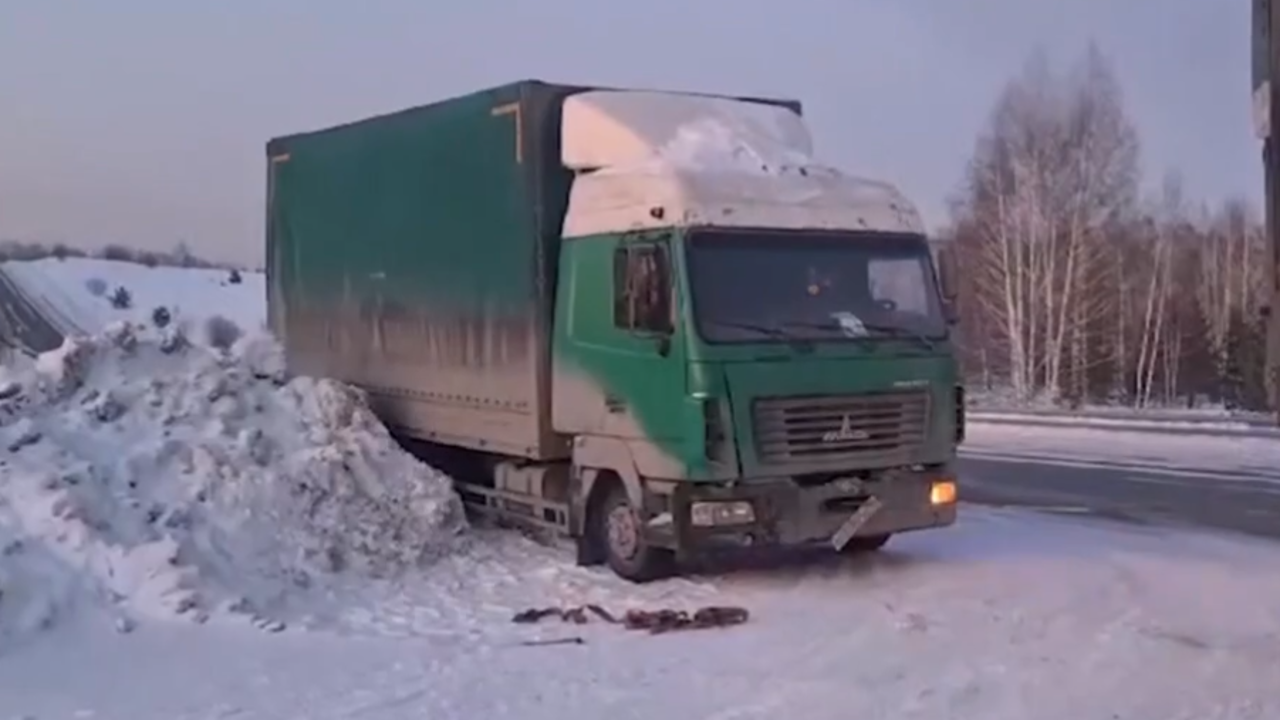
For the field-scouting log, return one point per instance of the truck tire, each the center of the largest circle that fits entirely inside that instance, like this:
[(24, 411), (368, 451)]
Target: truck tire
[(619, 531), (866, 544)]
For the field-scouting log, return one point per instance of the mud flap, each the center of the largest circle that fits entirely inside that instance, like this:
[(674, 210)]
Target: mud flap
[(855, 522)]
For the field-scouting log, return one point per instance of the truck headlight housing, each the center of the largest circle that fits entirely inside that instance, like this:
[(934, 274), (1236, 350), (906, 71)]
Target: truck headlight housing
[(721, 512)]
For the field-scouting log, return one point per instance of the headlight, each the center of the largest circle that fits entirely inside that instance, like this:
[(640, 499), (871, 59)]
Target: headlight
[(942, 492), (728, 512)]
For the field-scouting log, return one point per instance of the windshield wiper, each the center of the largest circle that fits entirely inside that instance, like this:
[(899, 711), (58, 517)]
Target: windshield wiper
[(762, 329), (832, 326), (894, 330), (899, 331)]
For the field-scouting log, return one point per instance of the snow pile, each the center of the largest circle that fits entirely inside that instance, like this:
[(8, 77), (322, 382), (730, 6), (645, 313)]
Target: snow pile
[(9, 385), (166, 479), (76, 294), (35, 589)]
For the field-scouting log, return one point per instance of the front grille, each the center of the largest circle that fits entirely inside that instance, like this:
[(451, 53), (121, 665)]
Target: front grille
[(874, 429)]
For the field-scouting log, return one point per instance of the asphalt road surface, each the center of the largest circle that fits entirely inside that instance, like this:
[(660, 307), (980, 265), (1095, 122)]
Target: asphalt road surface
[(1243, 501), (21, 325)]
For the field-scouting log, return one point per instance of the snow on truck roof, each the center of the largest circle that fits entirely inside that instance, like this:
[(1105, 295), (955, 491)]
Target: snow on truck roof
[(709, 161)]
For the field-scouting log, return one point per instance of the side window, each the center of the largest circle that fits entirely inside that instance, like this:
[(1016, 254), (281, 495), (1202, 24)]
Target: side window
[(642, 288)]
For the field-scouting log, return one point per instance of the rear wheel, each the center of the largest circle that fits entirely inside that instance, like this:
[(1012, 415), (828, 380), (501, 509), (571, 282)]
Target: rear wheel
[(619, 530), (866, 544)]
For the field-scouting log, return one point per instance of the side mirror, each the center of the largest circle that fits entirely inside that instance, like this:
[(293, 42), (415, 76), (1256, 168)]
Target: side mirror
[(950, 312), (947, 274)]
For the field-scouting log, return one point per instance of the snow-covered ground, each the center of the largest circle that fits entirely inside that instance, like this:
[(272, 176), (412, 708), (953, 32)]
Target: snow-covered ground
[(1189, 422), (1114, 412), (1209, 458), (1005, 400), (75, 293), (1002, 618), (1001, 408)]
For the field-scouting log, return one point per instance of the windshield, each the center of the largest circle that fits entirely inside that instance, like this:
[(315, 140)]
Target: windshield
[(781, 286)]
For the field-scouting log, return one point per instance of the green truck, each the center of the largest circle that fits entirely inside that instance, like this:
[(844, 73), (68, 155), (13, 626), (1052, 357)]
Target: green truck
[(649, 321)]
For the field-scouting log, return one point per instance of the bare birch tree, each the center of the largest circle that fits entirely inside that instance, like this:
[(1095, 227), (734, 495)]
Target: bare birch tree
[(1099, 177), (1155, 344), (1057, 167)]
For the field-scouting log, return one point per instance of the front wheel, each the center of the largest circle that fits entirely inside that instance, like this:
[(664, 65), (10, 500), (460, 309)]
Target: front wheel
[(619, 529), (865, 544)]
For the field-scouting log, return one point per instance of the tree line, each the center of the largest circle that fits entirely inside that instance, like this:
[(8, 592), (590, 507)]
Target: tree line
[(180, 256), (1073, 287)]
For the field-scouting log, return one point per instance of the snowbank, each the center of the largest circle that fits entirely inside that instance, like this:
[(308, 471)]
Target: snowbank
[(1155, 422), (1220, 458), (1001, 407), (149, 477), (75, 293)]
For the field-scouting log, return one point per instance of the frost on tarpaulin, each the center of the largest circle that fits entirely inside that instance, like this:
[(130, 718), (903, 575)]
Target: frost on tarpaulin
[(180, 480)]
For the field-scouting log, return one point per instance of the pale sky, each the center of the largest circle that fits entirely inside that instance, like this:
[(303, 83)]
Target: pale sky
[(143, 121)]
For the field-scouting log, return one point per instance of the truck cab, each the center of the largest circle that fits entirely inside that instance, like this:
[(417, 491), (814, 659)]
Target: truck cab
[(750, 347)]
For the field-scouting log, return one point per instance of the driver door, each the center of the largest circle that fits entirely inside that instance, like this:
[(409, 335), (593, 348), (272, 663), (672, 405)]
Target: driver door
[(644, 393)]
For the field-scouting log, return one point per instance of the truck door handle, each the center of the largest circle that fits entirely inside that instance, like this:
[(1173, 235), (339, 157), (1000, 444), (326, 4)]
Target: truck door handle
[(614, 404)]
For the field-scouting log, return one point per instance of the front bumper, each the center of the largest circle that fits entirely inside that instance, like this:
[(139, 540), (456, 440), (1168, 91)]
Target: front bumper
[(787, 513)]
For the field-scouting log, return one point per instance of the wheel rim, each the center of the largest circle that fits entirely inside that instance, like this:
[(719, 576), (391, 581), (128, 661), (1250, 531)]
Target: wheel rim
[(624, 533)]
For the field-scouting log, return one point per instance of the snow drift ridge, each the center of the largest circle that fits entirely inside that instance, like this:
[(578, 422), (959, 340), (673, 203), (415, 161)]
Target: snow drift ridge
[(169, 479)]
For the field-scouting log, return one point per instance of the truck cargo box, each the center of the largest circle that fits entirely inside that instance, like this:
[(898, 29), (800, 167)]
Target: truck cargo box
[(414, 255)]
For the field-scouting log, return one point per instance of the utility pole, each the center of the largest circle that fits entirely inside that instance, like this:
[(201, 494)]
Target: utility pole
[(1266, 116)]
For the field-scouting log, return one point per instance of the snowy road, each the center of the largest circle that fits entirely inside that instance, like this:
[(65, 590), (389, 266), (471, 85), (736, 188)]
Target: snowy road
[(1229, 483)]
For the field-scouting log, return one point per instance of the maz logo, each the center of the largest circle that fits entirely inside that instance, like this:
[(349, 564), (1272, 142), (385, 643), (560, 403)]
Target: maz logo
[(845, 432)]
